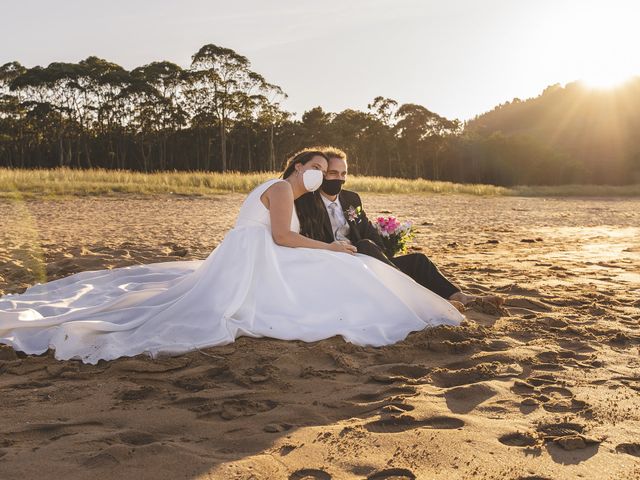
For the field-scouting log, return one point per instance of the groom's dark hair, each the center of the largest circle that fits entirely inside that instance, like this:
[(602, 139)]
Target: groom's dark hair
[(329, 151), (334, 152)]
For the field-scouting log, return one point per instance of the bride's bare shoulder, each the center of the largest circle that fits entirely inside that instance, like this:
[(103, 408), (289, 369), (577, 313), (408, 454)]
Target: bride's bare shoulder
[(280, 189)]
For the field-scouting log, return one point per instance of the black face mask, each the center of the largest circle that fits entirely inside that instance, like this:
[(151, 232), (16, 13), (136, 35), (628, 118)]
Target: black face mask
[(332, 187)]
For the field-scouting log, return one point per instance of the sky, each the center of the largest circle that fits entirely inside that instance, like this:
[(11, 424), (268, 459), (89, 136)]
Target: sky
[(458, 58)]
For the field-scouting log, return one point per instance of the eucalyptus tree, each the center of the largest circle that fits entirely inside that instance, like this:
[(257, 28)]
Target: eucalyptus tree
[(316, 126), (224, 79), (271, 117), (102, 83), (160, 105), (70, 93), (245, 132), (420, 130), (384, 110), (45, 103), (12, 117), (355, 132)]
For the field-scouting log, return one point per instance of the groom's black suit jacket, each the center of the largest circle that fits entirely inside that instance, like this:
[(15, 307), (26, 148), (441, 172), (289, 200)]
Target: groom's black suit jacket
[(362, 233), (368, 241), (359, 227)]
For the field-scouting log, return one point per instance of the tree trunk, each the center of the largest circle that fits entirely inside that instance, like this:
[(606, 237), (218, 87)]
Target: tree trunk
[(272, 151), (87, 153), (249, 160), (223, 145), (61, 156)]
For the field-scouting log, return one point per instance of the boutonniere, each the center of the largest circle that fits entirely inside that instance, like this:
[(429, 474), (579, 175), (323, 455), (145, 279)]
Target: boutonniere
[(354, 214)]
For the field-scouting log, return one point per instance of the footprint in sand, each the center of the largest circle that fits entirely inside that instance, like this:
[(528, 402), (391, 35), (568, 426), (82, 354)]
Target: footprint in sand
[(551, 322), (547, 357), (277, 427), (136, 394), (30, 385), (444, 377), (133, 437), (287, 449), (496, 345), (539, 380), (409, 371), (564, 406), (228, 409), (629, 448), (309, 474), (151, 366), (396, 408), (545, 389), (193, 403), (466, 398), (51, 431), (526, 305), (189, 384), (110, 457), (567, 435), (393, 474), (552, 390), (559, 429), (517, 289), (522, 387), (407, 422), (632, 382), (232, 409), (564, 356), (388, 379), (101, 460), (518, 439), (576, 346), (547, 367), (533, 477), (48, 428), (384, 394)]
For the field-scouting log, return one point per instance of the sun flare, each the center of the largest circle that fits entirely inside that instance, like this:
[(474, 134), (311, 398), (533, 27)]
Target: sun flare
[(605, 80)]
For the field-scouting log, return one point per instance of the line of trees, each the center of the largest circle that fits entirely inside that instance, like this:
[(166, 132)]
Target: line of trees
[(219, 114)]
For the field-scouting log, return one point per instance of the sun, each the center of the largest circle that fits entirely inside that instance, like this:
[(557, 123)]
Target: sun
[(605, 80), (592, 42)]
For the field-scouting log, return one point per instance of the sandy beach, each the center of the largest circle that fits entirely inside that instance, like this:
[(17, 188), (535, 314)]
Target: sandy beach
[(547, 388)]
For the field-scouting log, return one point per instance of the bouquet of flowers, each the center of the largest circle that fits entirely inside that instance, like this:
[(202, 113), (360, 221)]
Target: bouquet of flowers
[(395, 235)]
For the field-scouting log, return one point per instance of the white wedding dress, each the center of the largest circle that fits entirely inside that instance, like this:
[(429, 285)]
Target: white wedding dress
[(248, 285)]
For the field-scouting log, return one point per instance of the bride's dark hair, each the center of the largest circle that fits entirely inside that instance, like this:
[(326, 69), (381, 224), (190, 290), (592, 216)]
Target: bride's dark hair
[(303, 156), (309, 205)]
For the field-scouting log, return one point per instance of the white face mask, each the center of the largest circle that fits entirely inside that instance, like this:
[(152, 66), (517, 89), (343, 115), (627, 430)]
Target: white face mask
[(312, 179)]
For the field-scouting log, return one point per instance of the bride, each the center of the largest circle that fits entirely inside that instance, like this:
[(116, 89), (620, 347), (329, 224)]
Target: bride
[(263, 280)]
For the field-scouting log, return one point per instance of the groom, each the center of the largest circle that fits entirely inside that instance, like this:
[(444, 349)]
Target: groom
[(331, 213)]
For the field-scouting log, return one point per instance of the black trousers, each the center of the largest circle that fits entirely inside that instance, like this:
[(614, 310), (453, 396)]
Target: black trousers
[(416, 265)]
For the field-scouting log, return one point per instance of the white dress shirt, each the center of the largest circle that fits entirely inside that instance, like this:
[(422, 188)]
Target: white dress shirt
[(339, 225)]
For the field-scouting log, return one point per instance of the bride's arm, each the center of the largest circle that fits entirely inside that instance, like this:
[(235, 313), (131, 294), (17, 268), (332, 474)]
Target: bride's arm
[(279, 199)]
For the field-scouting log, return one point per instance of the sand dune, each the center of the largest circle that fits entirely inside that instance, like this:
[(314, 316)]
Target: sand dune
[(547, 388)]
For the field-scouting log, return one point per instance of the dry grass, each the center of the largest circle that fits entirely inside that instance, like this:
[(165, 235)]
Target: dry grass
[(578, 191), (65, 181), (61, 182)]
